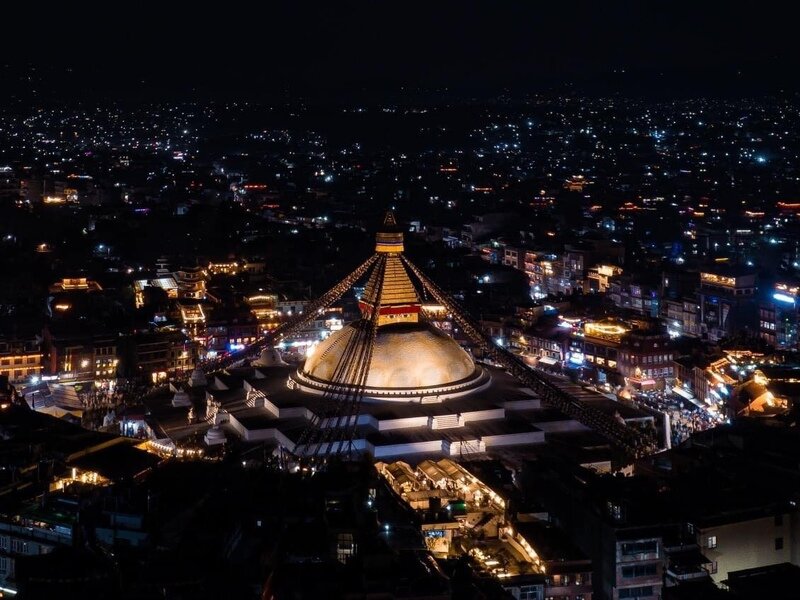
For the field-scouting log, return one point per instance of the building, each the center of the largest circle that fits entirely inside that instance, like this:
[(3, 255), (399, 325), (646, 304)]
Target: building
[(746, 515), (192, 318), (598, 277), (264, 307), (778, 316), (163, 282), (646, 356), (576, 183), (228, 332), (191, 282), (232, 267), (622, 352), (482, 227), (603, 517), (682, 316), (568, 569), (745, 540), (288, 308), (545, 273), (514, 257), (75, 284), (639, 294), (58, 466), (548, 346), (771, 581), (599, 345), (727, 299), (20, 358), (157, 355), (74, 356)]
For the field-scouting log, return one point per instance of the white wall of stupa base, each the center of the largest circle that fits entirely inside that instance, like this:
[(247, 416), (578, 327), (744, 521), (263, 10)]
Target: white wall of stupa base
[(258, 407)]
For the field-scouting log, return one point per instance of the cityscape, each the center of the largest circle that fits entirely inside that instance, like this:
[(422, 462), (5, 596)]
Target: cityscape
[(371, 303)]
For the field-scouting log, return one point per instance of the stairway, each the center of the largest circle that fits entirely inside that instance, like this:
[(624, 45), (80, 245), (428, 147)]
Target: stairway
[(446, 421)]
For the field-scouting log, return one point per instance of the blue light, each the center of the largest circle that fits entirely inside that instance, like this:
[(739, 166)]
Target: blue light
[(783, 297), (761, 160), (576, 358)]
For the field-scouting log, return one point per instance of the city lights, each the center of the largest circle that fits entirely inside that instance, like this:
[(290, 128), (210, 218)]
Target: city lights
[(297, 306)]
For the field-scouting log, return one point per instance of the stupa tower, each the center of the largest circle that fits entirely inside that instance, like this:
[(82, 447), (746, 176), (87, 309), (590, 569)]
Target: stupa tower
[(390, 287)]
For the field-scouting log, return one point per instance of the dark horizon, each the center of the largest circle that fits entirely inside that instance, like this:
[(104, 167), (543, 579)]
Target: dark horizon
[(356, 52)]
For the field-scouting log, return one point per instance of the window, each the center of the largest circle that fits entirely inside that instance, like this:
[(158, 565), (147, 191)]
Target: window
[(779, 543), (639, 571), (712, 541), (713, 567), (631, 548), (529, 592), (346, 547), (636, 592), (778, 520)]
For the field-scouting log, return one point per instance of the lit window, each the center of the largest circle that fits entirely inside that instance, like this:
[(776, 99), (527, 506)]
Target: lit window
[(712, 541)]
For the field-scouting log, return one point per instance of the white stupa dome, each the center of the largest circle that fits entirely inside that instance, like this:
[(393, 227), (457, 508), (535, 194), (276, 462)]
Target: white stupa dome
[(408, 360), (270, 357), (214, 436)]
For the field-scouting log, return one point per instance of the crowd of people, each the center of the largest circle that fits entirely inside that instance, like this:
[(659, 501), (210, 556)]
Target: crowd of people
[(102, 404), (685, 422), (685, 418)]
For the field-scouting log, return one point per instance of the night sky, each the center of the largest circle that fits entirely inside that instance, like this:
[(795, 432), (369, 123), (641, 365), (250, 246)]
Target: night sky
[(343, 49)]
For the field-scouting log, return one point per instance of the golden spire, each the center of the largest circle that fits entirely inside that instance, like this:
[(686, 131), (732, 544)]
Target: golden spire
[(389, 240), (390, 286)]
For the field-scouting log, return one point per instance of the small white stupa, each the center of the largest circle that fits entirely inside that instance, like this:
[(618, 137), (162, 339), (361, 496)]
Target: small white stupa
[(214, 436), (181, 399), (198, 378), (270, 357)]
